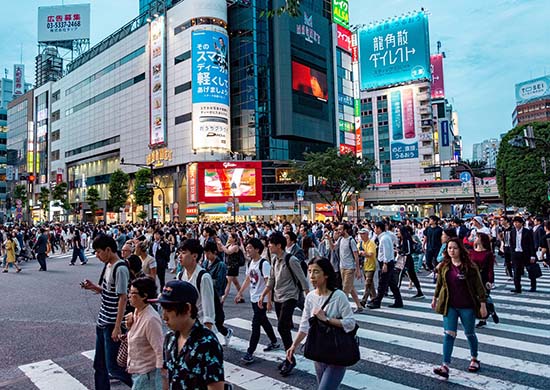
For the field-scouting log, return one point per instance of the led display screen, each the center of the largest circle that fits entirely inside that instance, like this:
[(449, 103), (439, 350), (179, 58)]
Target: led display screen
[(309, 81)]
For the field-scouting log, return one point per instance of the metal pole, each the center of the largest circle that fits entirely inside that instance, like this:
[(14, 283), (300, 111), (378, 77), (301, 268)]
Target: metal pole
[(234, 209), (151, 167), (300, 209)]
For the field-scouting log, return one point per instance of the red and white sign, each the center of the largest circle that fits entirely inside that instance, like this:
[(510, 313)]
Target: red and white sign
[(156, 83), (344, 38), (18, 79), (192, 210), (438, 86), (347, 149), (59, 176), (220, 181), (358, 137), (408, 113), (192, 194), (354, 49)]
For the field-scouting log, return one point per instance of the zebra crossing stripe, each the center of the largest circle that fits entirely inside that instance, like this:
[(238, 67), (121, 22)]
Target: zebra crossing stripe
[(352, 378), (46, 375), (425, 368)]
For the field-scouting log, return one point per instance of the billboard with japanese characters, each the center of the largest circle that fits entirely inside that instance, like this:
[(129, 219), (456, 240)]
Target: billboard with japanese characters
[(394, 51), (340, 12), (18, 79), (438, 85), (156, 83), (63, 22), (404, 143), (210, 93), (532, 89)]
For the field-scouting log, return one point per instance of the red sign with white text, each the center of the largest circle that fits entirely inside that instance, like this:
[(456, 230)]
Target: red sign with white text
[(438, 86), (408, 113), (220, 181), (344, 38), (192, 196), (347, 149)]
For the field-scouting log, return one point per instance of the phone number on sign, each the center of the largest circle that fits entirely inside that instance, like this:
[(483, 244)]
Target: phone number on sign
[(74, 23)]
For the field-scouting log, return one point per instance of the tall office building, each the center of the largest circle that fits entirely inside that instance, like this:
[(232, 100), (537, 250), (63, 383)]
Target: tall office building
[(486, 150)]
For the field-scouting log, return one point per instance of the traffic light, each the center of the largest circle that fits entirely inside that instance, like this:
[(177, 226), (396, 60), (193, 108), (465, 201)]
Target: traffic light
[(31, 178), (295, 207)]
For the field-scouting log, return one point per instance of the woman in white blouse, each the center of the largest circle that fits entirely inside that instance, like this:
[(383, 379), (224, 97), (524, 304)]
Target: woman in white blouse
[(337, 313)]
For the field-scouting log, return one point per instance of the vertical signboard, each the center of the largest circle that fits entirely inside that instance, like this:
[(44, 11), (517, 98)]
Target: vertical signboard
[(192, 194), (157, 83), (394, 51), (340, 12), (210, 81), (344, 38), (18, 79), (396, 115), (438, 86), (444, 133), (408, 113), (404, 143), (356, 96)]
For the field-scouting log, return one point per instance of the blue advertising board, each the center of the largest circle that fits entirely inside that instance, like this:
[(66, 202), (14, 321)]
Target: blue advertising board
[(444, 133), (396, 115), (402, 151), (394, 51), (210, 54), (532, 89)]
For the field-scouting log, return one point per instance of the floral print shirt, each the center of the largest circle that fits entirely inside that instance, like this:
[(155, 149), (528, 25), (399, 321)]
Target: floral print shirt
[(199, 363)]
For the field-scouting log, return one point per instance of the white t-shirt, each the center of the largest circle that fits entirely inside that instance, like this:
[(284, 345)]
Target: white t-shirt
[(257, 282)]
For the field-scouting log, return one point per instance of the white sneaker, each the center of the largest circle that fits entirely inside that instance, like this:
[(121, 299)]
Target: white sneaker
[(431, 275), (227, 337)]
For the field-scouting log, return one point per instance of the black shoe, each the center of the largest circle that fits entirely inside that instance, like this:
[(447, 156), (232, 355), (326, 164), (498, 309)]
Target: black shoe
[(496, 320), (418, 296), (282, 365), (481, 324), (287, 369), (272, 347), (396, 306), (71, 263), (373, 306), (515, 291), (533, 290)]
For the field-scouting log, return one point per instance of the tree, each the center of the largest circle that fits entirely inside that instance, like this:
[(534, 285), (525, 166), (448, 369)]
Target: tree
[(291, 7), (59, 195), (44, 199), (142, 215), (118, 190), (526, 184), (92, 199), (479, 168), (142, 194), (20, 192), (338, 176)]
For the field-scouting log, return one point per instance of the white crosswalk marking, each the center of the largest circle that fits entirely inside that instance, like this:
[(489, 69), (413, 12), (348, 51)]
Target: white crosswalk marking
[(46, 375)]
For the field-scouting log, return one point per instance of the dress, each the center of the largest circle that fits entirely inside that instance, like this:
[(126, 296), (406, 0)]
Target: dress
[(10, 252)]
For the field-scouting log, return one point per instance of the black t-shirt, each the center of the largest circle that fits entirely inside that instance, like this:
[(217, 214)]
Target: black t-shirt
[(545, 244), (433, 237)]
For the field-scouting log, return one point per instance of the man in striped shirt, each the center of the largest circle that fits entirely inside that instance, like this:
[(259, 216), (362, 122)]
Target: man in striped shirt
[(113, 287)]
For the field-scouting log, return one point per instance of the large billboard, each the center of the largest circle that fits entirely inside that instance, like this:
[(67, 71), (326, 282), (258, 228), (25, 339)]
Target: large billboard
[(157, 83), (344, 38), (63, 22), (340, 12), (220, 181), (395, 51), (438, 85), (210, 81), (533, 89), (309, 81), (18, 79), (404, 142)]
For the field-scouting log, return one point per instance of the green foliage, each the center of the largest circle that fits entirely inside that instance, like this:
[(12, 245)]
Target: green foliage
[(142, 194), (337, 176), (291, 8), (118, 189), (479, 168), (526, 184), (44, 198), (92, 199), (20, 192), (142, 215), (59, 195)]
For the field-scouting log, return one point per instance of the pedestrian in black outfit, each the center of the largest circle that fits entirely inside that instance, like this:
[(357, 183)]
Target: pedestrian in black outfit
[(41, 247), (432, 243), (523, 253), (160, 250), (405, 249)]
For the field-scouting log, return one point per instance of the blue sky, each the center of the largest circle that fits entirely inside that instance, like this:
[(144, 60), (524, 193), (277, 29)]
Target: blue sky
[(490, 46)]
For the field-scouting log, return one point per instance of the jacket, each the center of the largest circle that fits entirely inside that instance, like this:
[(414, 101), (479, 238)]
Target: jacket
[(527, 244), (473, 282)]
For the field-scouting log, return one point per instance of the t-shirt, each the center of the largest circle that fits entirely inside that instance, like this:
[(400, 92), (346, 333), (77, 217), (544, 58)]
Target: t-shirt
[(257, 282), (433, 237), (347, 259), (545, 244), (110, 293), (459, 296)]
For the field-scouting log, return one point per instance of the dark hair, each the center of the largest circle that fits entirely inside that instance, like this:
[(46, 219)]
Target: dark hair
[(146, 286), (405, 234), (211, 247), (181, 308), (278, 239), (134, 263), (103, 242), (307, 242), (326, 267), (192, 245), (347, 228), (256, 244), (450, 232), (380, 225), (547, 225), (292, 236), (434, 218), (464, 254), (211, 232), (484, 240)]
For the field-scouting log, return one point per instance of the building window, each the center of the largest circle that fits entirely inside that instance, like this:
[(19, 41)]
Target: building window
[(196, 21), (55, 155), (56, 134), (95, 145), (182, 57), (183, 118), (56, 95), (182, 88), (55, 116)]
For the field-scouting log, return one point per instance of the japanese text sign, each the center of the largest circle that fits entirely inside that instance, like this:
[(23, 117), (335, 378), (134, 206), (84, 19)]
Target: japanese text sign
[(340, 12), (64, 23), (438, 86)]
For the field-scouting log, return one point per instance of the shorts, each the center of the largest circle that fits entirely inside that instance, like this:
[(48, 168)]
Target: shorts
[(348, 277), (232, 269)]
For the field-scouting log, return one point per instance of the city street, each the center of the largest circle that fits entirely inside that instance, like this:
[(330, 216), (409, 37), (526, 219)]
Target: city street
[(48, 330)]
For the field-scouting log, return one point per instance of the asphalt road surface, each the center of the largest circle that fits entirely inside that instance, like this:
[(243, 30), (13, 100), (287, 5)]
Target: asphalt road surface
[(48, 337)]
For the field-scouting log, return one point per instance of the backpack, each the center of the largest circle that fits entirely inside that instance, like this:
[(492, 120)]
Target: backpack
[(302, 264), (241, 258), (218, 308)]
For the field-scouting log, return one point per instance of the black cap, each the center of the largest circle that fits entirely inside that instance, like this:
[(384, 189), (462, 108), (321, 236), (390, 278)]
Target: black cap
[(178, 291)]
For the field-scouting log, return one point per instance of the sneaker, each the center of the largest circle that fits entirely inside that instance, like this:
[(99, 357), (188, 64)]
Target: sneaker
[(71, 263), (442, 370), (227, 337), (272, 347), (496, 320), (418, 296), (288, 367), (481, 324), (359, 309), (431, 275), (247, 358)]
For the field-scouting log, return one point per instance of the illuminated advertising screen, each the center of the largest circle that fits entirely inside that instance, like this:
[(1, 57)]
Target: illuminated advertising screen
[(437, 86), (344, 38), (309, 81), (210, 92), (157, 87), (404, 143), (394, 51), (220, 181), (532, 89)]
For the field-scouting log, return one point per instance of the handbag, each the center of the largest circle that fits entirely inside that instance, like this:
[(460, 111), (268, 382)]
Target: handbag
[(400, 261), (534, 271), (331, 345), (122, 356)]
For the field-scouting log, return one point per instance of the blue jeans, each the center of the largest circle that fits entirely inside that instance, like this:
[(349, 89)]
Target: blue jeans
[(329, 376), (105, 365), (150, 381), (450, 324)]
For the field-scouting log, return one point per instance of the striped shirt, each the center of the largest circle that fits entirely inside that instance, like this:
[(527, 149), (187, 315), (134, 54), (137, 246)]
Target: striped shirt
[(111, 289)]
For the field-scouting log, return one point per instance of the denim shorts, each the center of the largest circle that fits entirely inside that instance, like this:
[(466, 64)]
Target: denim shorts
[(150, 381)]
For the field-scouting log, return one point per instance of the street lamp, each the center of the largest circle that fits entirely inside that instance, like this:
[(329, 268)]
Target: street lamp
[(233, 188)]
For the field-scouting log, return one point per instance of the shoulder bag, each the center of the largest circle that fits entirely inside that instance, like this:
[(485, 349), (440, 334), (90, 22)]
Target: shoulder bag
[(331, 345)]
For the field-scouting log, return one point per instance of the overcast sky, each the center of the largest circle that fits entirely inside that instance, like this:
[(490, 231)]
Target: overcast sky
[(490, 46)]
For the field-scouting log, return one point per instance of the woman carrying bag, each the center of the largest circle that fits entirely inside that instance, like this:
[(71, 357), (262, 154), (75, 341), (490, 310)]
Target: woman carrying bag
[(482, 255), (329, 307), (459, 292)]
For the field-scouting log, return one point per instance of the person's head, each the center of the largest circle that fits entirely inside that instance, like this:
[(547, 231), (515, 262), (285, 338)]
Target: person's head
[(190, 252), (210, 250), (141, 248), (505, 222), (277, 243), (159, 234), (518, 222), (254, 247), (321, 273), (403, 233), (538, 220), (141, 290), (307, 242), (448, 234), (456, 250), (379, 228), (457, 222), (478, 222), (364, 234), (287, 227), (105, 248), (482, 241), (434, 220), (291, 239), (134, 263), (127, 250), (179, 303)]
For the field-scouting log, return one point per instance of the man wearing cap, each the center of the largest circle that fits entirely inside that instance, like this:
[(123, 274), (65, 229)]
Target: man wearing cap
[(193, 355), (478, 226), (523, 253)]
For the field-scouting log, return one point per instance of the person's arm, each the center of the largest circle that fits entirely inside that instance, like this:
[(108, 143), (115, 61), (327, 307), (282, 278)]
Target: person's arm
[(122, 298), (244, 286), (299, 273), (154, 334), (207, 299)]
